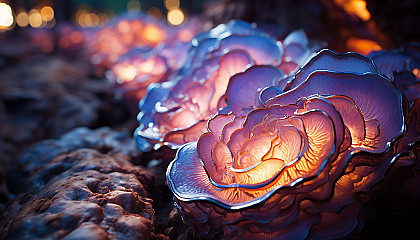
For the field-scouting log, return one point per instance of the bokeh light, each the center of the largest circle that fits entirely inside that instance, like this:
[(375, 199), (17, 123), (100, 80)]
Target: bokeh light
[(87, 19), (35, 18), (171, 4), (6, 16), (22, 19), (175, 16), (153, 34), (47, 13)]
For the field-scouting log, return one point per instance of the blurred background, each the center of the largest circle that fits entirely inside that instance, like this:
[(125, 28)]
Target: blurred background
[(346, 25)]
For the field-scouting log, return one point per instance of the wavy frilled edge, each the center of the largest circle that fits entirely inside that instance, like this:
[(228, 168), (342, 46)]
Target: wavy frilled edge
[(243, 88), (238, 44), (173, 138), (146, 139), (209, 42), (404, 59), (236, 206), (192, 167), (315, 85), (399, 130), (325, 59)]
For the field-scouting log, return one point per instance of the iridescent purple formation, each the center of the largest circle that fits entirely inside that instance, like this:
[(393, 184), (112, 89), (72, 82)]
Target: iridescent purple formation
[(402, 66), (176, 112), (302, 159)]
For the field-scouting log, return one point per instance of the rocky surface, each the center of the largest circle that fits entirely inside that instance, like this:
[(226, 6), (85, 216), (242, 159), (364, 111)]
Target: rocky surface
[(84, 194), (44, 96), (85, 185), (103, 139)]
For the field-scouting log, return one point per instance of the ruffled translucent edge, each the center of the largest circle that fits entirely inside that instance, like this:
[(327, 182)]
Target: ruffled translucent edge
[(204, 43), (268, 194), (243, 88), (235, 206), (155, 137), (313, 65), (298, 92)]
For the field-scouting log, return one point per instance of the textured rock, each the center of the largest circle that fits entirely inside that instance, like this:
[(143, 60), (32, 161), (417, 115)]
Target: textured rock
[(102, 139), (83, 195), (44, 96)]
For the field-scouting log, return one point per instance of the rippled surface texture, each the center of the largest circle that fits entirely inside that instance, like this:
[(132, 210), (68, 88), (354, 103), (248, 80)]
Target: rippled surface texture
[(176, 112), (303, 160)]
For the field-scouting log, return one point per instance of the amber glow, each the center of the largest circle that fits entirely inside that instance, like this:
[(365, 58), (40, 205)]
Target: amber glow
[(6, 16), (355, 7), (175, 16), (35, 18), (47, 13), (154, 34), (416, 72), (147, 66), (87, 19), (22, 19), (125, 72), (170, 4), (205, 89), (314, 148), (363, 46)]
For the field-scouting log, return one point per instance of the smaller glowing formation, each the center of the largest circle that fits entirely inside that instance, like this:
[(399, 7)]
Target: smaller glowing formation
[(210, 78), (133, 30)]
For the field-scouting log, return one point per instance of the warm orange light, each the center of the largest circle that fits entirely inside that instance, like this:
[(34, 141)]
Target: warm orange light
[(22, 19), (123, 26), (175, 16), (126, 73), (153, 34), (86, 19), (363, 46), (103, 18), (6, 17), (416, 72), (170, 4), (35, 18), (355, 7), (47, 13), (95, 19), (147, 66)]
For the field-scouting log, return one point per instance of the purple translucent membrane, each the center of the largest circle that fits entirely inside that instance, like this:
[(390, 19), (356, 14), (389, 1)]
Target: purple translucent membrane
[(296, 163), (208, 81), (402, 66)]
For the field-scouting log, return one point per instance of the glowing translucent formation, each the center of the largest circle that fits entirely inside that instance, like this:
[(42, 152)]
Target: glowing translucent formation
[(296, 163), (208, 81)]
